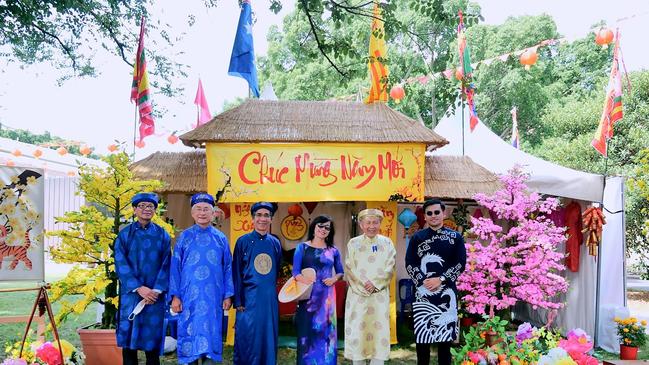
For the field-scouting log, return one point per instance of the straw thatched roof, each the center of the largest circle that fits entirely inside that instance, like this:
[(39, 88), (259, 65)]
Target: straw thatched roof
[(182, 172), (312, 121), (453, 177), (457, 177)]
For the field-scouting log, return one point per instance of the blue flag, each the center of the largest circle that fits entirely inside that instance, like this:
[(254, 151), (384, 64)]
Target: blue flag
[(242, 61)]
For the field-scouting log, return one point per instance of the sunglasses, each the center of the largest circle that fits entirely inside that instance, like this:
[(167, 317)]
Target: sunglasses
[(324, 226), (433, 212)]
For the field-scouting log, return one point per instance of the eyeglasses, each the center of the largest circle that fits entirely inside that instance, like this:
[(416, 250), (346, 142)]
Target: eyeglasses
[(262, 215), (203, 210), (146, 206), (326, 227), (433, 212)]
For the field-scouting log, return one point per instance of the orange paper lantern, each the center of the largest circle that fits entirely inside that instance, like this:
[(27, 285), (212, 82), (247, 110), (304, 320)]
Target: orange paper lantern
[(459, 74), (62, 151), (529, 58), (173, 139), (295, 210), (85, 150), (139, 144), (17, 153), (397, 93), (112, 148), (71, 173), (10, 163), (604, 37), (37, 153)]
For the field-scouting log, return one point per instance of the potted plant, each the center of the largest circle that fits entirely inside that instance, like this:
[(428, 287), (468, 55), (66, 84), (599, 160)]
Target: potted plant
[(632, 336), (88, 243)]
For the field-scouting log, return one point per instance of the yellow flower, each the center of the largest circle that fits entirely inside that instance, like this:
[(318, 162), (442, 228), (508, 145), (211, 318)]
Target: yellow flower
[(635, 327), (643, 322), (31, 180), (67, 348), (625, 330)]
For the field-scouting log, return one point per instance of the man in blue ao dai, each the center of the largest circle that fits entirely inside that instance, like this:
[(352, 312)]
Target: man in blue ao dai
[(201, 285)]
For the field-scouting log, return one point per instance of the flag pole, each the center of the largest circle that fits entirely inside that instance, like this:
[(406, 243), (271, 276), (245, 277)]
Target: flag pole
[(134, 129)]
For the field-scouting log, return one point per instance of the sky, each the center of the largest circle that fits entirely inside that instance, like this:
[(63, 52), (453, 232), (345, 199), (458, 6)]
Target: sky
[(98, 110)]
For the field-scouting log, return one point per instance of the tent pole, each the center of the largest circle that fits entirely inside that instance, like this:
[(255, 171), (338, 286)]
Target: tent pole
[(599, 259)]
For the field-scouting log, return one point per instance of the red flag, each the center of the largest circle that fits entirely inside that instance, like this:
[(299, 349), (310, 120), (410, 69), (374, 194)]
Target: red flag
[(204, 114), (140, 89), (612, 111)]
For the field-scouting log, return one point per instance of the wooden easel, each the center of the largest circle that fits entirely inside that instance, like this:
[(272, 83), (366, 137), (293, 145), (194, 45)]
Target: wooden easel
[(43, 303)]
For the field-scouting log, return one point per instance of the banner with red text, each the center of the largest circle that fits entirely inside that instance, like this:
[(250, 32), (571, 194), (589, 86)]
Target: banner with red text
[(288, 172)]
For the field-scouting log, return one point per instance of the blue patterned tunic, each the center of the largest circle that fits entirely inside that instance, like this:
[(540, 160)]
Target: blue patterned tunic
[(254, 272), (141, 259), (201, 277)]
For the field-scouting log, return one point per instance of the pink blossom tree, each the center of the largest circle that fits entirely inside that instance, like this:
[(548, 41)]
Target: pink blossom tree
[(505, 265)]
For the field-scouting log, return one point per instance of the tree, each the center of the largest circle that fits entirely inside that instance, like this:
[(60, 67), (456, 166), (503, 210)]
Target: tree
[(67, 34), (45, 138), (518, 263), (89, 238), (420, 37)]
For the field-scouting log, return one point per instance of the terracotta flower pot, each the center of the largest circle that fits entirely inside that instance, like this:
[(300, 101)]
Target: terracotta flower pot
[(100, 347), (628, 352)]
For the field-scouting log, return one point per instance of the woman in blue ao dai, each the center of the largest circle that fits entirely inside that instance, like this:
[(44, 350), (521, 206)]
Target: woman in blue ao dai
[(316, 317)]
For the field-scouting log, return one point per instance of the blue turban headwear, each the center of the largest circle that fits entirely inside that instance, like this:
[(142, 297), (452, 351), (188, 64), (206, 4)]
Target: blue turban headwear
[(145, 197), (262, 205), (202, 198)]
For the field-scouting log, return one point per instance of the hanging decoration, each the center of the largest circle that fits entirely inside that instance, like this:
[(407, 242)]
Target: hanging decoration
[(10, 163), (529, 58), (397, 93), (140, 144), (294, 227), (85, 150), (62, 151), (112, 148), (17, 153), (604, 37), (295, 210), (421, 219), (459, 75), (173, 138), (407, 218), (37, 153), (593, 221), (310, 206)]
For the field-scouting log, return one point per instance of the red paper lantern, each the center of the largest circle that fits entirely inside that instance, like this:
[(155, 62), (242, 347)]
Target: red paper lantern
[(173, 139), (37, 153), (295, 210), (225, 208), (112, 148), (62, 151), (397, 93), (604, 37), (139, 144), (17, 153), (529, 58), (85, 150)]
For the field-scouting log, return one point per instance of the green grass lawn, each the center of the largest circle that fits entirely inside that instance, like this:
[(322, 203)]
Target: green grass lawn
[(20, 303)]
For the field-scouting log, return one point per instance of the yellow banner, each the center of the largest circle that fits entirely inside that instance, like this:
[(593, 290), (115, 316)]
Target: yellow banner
[(288, 172), (389, 229), (240, 224)]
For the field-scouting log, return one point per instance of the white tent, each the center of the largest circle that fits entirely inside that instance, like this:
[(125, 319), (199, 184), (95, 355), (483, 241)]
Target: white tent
[(489, 150)]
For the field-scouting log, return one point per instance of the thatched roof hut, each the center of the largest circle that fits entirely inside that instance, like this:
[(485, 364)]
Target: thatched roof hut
[(453, 177), (272, 121)]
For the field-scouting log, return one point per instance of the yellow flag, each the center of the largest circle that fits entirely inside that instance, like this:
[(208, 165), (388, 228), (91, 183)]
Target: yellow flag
[(378, 53)]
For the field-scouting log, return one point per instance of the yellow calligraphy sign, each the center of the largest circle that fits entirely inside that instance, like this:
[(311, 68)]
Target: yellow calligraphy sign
[(287, 172), (389, 229)]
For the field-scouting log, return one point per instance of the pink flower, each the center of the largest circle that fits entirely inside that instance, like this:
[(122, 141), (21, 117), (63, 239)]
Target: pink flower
[(47, 353)]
